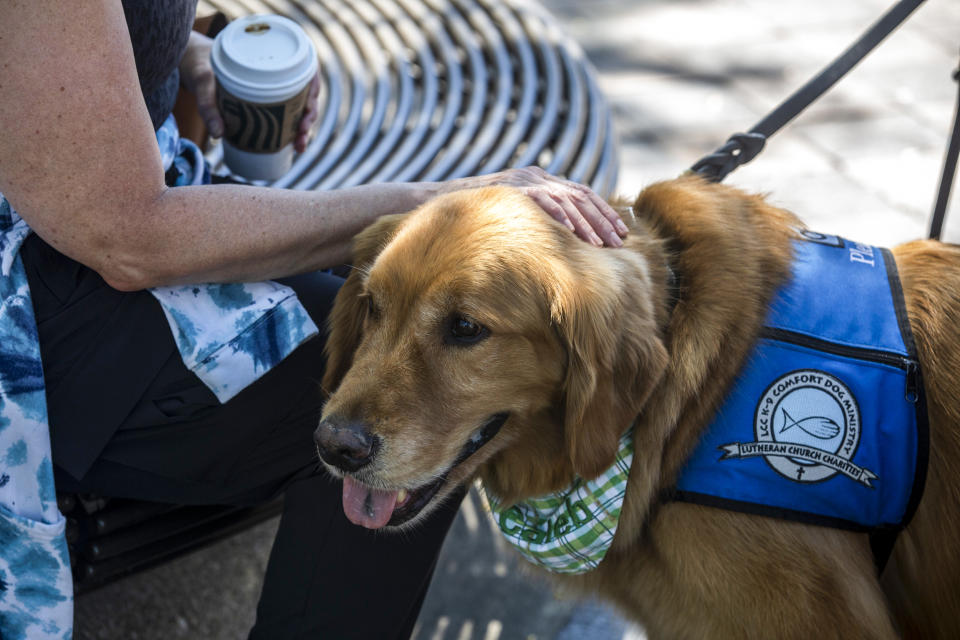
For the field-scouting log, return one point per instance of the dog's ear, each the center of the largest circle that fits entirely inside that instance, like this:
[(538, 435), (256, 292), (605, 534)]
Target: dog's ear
[(345, 323), (615, 357)]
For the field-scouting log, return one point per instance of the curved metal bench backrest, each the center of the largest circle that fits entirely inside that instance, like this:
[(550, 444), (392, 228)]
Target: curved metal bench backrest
[(440, 89)]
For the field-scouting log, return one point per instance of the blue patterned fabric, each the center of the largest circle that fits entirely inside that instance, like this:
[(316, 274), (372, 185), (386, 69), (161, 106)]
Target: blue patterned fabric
[(228, 334), (36, 589)]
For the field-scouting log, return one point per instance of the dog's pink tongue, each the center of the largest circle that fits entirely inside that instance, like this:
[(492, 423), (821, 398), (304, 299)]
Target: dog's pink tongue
[(370, 508)]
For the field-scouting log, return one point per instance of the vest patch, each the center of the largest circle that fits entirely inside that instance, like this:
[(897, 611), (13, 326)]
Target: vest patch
[(807, 428)]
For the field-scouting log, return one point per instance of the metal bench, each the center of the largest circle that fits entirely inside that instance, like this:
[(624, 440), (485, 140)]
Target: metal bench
[(439, 89), (412, 90)]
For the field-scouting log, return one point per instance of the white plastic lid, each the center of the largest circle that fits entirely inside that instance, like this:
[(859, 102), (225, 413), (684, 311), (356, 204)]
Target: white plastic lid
[(263, 58)]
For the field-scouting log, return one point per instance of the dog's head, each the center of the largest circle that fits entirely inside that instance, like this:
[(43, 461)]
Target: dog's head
[(476, 331)]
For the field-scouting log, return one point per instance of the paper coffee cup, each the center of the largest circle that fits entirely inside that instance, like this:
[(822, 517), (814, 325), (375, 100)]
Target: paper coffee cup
[(263, 65)]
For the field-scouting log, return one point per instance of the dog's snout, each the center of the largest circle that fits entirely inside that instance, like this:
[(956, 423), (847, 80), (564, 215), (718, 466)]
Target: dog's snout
[(345, 444)]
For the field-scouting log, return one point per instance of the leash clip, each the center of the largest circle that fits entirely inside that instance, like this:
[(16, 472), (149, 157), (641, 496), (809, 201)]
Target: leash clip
[(740, 148)]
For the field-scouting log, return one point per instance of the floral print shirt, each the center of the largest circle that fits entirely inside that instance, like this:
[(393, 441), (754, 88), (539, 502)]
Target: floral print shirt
[(228, 334)]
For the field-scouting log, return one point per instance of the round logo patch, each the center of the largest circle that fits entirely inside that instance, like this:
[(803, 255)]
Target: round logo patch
[(807, 428), (815, 417)]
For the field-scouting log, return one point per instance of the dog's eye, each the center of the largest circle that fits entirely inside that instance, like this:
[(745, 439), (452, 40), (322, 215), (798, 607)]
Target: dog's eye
[(372, 311), (463, 330)]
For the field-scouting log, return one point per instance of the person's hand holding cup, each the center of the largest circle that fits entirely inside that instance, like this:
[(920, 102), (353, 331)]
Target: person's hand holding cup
[(266, 88)]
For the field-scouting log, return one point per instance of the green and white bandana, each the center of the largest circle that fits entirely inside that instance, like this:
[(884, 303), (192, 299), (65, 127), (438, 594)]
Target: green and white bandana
[(571, 530)]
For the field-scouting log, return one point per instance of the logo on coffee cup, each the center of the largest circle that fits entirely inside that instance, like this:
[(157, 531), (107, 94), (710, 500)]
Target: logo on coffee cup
[(260, 128)]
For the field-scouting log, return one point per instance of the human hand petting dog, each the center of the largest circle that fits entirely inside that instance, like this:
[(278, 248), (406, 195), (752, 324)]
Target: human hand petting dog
[(575, 205)]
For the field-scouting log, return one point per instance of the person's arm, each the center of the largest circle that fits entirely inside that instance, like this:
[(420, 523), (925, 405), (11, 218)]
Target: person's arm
[(79, 162)]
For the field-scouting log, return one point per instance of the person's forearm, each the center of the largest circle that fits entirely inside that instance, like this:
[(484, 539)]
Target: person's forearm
[(238, 233), (70, 84)]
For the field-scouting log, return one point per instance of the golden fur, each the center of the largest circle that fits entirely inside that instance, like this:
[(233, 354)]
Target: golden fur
[(584, 339)]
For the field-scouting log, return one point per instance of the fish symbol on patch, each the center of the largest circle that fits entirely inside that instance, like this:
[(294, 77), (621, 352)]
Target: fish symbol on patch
[(816, 426)]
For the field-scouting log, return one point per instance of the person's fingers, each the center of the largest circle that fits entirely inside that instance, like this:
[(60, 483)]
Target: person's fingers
[(578, 206), (552, 208), (314, 92), (561, 208), (581, 226), (575, 205), (310, 113), (598, 211), (309, 117), (300, 142), (589, 210), (205, 90), (607, 211), (304, 129), (311, 110), (303, 134)]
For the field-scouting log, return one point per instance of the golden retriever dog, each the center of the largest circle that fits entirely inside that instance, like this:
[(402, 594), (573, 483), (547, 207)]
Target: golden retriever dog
[(477, 337)]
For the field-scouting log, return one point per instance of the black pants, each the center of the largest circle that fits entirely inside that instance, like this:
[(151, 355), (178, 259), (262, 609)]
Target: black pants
[(127, 419)]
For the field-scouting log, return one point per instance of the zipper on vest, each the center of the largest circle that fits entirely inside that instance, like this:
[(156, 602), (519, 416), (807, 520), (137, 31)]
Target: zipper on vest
[(909, 365), (913, 381)]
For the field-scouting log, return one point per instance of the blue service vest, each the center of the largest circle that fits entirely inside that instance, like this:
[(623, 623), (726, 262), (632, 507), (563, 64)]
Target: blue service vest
[(827, 421)]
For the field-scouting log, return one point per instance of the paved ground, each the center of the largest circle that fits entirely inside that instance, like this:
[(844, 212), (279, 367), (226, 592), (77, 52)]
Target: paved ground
[(682, 75)]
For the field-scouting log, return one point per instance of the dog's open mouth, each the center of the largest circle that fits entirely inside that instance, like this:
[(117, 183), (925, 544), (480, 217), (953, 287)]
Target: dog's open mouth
[(376, 508)]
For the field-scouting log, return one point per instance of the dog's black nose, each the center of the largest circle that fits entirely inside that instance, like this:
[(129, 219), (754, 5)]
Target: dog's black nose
[(345, 444)]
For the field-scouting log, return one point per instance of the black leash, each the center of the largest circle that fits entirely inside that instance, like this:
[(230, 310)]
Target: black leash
[(741, 148), (949, 169)]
